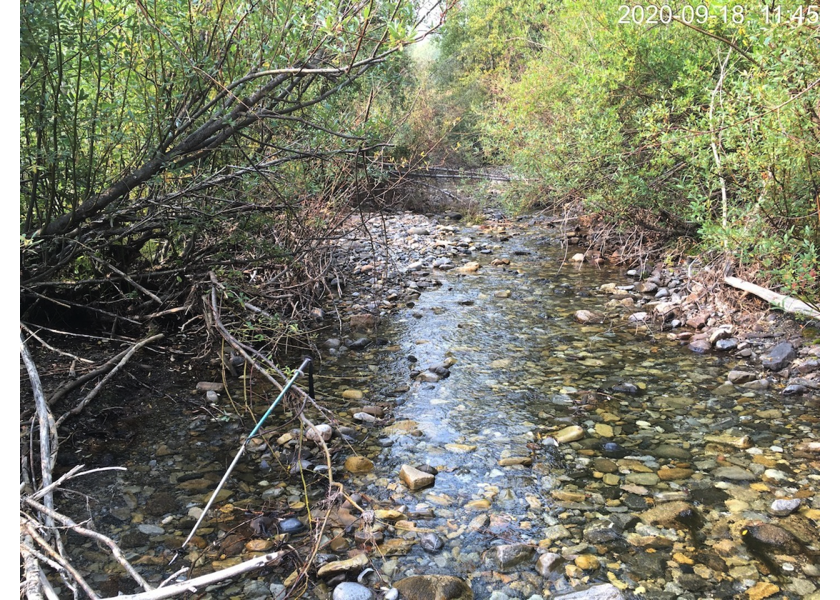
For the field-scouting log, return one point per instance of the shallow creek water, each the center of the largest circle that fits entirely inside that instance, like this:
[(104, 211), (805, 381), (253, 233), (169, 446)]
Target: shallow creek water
[(522, 370)]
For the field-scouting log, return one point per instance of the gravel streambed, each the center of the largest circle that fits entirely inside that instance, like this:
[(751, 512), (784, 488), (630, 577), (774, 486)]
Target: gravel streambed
[(513, 424)]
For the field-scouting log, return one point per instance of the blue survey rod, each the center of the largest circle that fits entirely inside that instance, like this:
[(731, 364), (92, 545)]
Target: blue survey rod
[(299, 371)]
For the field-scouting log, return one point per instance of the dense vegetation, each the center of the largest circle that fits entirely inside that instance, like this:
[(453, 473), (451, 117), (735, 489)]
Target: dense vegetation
[(162, 139), (706, 127), (151, 132), (186, 163)]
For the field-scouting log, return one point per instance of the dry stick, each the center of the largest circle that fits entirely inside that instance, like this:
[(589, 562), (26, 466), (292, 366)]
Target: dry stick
[(131, 282), (46, 425), (70, 475), (72, 385), (82, 335), (56, 350), (115, 550), (46, 586), (86, 400), (62, 562), (165, 312), (192, 585), (180, 571), (786, 303), (30, 569)]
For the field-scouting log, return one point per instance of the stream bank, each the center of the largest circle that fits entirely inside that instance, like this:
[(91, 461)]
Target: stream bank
[(570, 440)]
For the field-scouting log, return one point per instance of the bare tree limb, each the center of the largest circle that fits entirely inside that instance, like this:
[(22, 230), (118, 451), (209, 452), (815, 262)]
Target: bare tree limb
[(133, 283), (56, 350), (30, 569), (115, 550), (72, 473), (786, 303), (193, 585), (46, 425), (92, 394), (62, 563)]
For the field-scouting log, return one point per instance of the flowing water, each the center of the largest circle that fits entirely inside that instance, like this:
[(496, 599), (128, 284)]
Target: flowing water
[(521, 369)]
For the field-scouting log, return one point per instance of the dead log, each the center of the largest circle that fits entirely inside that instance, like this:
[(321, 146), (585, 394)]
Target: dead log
[(786, 303)]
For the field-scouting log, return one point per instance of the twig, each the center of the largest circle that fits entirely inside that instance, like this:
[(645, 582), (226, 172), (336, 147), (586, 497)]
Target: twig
[(56, 350), (62, 563), (71, 385), (131, 282), (173, 576), (115, 550), (86, 400), (74, 472), (165, 312), (46, 586)]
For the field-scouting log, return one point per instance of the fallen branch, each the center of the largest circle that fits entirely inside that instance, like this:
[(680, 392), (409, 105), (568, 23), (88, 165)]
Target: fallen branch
[(55, 560), (31, 577), (69, 523), (86, 400), (130, 281), (74, 472), (192, 585), (786, 303), (71, 385), (56, 350), (47, 428)]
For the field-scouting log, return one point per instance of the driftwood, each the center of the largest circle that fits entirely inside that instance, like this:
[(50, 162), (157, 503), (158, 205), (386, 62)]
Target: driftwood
[(192, 585), (786, 303)]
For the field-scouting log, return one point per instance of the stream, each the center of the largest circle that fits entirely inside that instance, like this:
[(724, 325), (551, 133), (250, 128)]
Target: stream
[(566, 454)]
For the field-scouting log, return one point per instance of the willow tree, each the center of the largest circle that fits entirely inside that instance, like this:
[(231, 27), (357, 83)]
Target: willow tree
[(151, 129)]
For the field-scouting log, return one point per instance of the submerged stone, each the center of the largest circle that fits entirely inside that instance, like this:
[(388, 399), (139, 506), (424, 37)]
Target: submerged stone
[(343, 566), (433, 587), (509, 556)]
